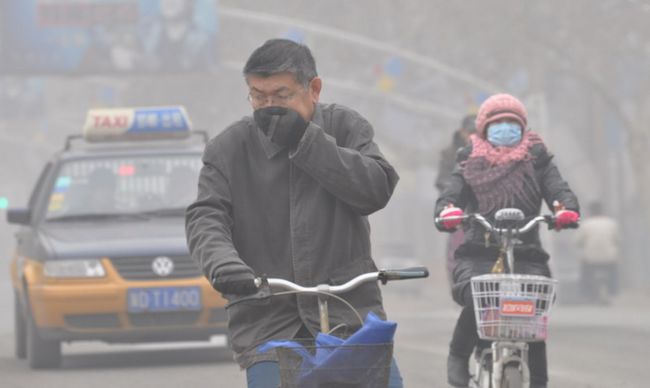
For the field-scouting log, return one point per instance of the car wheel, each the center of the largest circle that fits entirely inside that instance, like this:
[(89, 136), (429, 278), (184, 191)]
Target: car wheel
[(20, 332), (41, 353)]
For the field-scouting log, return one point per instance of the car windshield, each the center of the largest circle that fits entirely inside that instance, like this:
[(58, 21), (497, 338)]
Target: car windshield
[(124, 187)]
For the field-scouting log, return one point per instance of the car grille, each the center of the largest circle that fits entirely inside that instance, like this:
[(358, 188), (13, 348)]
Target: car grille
[(175, 318), (140, 268), (93, 321)]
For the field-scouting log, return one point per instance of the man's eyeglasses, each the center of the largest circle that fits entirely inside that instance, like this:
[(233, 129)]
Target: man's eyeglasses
[(259, 99)]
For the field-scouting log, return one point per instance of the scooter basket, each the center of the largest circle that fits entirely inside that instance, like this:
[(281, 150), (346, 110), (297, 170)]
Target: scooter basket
[(512, 306)]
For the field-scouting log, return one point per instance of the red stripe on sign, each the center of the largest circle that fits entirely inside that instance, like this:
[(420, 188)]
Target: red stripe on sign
[(519, 308)]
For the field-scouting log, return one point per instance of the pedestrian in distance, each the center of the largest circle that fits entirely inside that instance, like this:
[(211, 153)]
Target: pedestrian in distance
[(286, 192), (505, 166), (446, 165), (460, 139), (599, 240)]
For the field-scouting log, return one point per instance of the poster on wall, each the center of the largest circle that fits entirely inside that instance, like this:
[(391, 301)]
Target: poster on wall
[(79, 37)]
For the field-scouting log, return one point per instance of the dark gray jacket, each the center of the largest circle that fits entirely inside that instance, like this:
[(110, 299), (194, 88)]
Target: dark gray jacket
[(301, 216)]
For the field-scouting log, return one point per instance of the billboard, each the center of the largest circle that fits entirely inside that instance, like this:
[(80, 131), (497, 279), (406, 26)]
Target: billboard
[(108, 36)]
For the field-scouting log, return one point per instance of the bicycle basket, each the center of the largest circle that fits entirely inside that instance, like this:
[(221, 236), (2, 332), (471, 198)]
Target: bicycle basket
[(512, 306), (342, 366)]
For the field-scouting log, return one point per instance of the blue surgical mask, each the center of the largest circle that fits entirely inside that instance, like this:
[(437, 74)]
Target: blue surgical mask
[(505, 133)]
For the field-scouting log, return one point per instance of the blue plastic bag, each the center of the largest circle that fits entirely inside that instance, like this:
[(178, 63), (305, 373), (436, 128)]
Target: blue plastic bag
[(341, 360)]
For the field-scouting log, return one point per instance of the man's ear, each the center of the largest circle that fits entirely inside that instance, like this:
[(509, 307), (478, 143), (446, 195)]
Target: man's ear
[(315, 86)]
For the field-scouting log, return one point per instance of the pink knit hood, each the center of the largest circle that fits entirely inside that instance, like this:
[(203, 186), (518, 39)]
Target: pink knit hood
[(500, 106)]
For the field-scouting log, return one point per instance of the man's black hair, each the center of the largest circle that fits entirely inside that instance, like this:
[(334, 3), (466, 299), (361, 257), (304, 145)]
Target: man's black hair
[(282, 56)]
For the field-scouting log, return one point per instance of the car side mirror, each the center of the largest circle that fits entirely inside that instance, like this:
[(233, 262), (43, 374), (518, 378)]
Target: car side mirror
[(19, 216)]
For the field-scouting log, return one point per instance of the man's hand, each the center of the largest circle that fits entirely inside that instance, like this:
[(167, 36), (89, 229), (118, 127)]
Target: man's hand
[(285, 126), (236, 279)]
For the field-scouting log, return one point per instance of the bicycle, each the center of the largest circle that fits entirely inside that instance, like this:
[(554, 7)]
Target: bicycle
[(510, 309), (295, 371)]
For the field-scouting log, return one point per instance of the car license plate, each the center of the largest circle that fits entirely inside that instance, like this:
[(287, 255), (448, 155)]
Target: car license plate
[(163, 299)]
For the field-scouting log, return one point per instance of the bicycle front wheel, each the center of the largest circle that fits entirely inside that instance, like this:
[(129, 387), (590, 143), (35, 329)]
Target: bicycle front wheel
[(512, 377)]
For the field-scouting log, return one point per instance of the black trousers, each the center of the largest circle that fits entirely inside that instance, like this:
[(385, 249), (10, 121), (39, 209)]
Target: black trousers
[(465, 338)]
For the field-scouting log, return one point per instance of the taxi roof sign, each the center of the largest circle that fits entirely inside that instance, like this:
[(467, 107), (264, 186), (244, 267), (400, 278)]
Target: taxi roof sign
[(123, 124)]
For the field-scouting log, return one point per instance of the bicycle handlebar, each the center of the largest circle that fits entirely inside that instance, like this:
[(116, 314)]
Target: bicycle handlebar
[(387, 275), (264, 284), (382, 275), (549, 219)]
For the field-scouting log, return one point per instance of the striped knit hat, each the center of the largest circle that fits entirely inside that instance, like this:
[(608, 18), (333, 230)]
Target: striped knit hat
[(500, 106)]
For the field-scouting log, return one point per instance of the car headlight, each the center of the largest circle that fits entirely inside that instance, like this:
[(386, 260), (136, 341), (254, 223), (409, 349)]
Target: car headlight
[(88, 268)]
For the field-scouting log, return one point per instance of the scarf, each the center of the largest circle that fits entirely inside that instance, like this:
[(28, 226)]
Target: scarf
[(503, 177)]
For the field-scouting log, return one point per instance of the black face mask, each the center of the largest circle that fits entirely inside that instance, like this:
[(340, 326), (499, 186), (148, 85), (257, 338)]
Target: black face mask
[(267, 118)]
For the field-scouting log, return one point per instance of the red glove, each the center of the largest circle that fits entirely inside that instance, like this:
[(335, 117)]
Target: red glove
[(451, 212), (566, 218)]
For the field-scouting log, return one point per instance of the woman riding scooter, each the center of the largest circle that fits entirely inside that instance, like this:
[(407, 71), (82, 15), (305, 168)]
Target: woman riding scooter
[(504, 166)]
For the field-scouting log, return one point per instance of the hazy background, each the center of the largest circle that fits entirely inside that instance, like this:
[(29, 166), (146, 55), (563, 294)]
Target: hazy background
[(413, 68)]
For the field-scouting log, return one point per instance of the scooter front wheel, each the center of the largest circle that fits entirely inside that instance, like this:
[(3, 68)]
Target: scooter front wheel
[(512, 377)]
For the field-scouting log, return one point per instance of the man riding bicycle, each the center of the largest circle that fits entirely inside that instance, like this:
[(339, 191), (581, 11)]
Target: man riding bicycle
[(286, 193), (505, 166)]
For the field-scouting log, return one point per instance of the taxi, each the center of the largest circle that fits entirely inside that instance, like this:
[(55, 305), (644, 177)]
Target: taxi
[(100, 250)]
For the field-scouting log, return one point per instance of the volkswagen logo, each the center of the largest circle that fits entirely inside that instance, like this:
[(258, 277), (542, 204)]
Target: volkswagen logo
[(162, 266)]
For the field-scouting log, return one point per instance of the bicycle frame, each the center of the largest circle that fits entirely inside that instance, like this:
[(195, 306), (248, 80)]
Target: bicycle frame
[(507, 352), (504, 353), (508, 236)]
